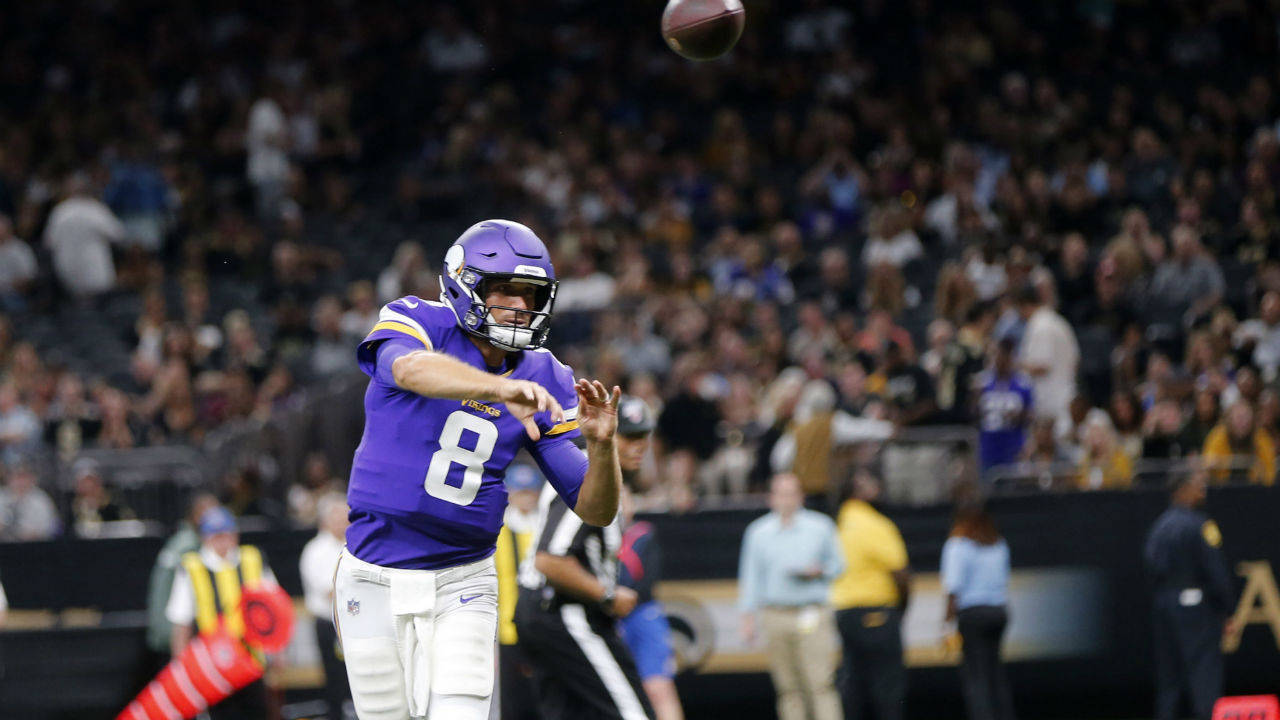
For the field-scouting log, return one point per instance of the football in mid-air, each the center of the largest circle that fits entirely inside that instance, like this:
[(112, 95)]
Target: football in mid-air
[(703, 29)]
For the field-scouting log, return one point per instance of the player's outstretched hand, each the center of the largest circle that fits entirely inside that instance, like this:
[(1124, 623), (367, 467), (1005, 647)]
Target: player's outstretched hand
[(597, 410), (524, 399)]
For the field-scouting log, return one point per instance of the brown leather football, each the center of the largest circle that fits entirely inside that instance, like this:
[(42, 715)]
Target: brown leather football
[(703, 29)]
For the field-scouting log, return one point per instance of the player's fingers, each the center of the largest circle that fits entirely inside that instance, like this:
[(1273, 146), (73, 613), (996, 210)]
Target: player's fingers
[(617, 396), (588, 391), (531, 428), (602, 393)]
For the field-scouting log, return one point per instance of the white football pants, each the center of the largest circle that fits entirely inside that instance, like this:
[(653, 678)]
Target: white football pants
[(418, 643)]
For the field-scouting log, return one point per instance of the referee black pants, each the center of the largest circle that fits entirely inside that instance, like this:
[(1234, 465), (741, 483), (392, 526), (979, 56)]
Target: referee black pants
[(580, 671)]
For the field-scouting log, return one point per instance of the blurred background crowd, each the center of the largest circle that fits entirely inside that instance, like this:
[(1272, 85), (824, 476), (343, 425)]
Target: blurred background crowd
[(1049, 229)]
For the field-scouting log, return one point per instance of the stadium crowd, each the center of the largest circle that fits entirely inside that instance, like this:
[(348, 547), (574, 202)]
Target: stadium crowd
[(880, 216)]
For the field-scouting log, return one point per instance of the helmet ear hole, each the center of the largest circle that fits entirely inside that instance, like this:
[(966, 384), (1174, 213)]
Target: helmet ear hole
[(454, 292)]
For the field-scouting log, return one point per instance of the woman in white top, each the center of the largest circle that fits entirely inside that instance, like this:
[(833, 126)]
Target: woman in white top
[(975, 574)]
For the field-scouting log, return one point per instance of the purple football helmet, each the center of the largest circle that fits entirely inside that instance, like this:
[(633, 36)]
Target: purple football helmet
[(503, 251)]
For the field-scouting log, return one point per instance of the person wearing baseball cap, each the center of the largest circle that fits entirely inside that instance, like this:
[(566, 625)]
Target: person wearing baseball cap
[(635, 430), (646, 630), (206, 594), (514, 694)]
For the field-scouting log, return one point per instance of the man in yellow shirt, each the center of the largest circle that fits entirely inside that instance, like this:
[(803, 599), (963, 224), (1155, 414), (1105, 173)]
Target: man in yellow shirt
[(869, 599)]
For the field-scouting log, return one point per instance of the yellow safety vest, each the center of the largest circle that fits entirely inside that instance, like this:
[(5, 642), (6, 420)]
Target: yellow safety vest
[(511, 549), (218, 592)]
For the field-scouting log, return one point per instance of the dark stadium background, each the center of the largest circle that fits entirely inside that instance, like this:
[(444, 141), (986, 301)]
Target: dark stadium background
[(725, 232)]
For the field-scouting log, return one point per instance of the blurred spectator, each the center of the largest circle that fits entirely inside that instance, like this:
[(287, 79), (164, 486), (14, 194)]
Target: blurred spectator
[(408, 274), (1044, 453), (583, 286), (71, 422), (452, 47), (1161, 437), (754, 277), (331, 354), (317, 565), (17, 268), (266, 141), (1269, 415), (1074, 276), (955, 294), (198, 320), (642, 350), (245, 497), (813, 336), (19, 427), (1126, 417), (816, 429), (1189, 282), (938, 339), (1104, 464), (316, 482), (836, 185), (1200, 422), (1264, 335), (79, 233), (908, 388), (186, 539), (139, 195), (880, 329), (243, 350), (363, 314), (1237, 450), (26, 511), (870, 598), (892, 240), (975, 573), (1004, 399), (93, 504), (4, 607), (120, 429), (836, 290), (788, 561), (1049, 354), (687, 425), (958, 210), (961, 360)]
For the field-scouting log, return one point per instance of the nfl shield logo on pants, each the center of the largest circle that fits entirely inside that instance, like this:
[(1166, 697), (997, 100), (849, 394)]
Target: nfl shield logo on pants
[(353, 607)]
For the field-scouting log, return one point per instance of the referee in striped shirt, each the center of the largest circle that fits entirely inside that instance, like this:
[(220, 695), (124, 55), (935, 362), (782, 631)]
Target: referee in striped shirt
[(566, 619)]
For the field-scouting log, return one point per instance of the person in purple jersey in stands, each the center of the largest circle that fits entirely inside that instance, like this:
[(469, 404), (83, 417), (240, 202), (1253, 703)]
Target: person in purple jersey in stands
[(1004, 409), (458, 388)]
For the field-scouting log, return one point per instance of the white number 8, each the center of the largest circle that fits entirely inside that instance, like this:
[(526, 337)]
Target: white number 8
[(450, 452)]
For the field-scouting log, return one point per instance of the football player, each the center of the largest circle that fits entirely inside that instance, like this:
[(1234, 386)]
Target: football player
[(458, 388)]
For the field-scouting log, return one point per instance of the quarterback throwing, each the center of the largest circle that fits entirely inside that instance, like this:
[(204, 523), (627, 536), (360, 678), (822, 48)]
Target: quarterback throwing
[(458, 388)]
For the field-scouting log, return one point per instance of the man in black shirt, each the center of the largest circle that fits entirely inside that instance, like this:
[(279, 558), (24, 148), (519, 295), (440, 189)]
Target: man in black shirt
[(962, 359), (566, 619), (908, 388)]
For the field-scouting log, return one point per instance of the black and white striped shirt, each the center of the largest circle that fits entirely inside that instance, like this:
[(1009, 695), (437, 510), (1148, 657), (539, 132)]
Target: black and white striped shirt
[(561, 532)]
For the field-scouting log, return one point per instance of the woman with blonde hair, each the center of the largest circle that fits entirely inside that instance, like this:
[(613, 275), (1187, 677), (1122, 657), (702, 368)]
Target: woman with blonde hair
[(1104, 465)]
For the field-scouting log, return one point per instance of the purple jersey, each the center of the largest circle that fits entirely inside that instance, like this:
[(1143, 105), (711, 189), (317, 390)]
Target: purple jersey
[(426, 488), (1004, 404)]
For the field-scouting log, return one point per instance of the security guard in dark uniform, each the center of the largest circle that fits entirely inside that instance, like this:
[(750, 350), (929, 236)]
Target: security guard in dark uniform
[(1194, 597)]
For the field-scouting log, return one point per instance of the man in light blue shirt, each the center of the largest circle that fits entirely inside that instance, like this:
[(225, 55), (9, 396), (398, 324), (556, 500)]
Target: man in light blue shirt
[(789, 559)]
